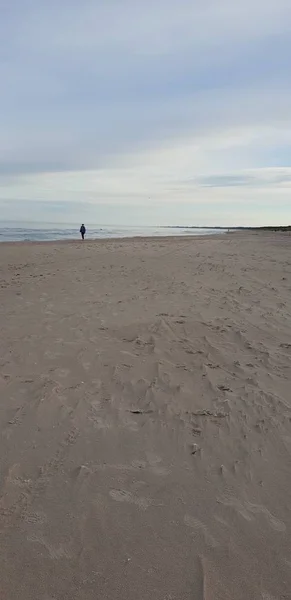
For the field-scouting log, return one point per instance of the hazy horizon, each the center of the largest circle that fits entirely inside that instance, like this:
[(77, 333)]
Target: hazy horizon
[(89, 225), (63, 225)]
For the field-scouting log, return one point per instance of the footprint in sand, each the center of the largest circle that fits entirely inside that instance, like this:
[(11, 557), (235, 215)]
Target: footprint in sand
[(55, 552), (199, 527), (125, 496), (274, 523), (153, 458), (35, 518), (156, 469), (248, 509), (62, 373)]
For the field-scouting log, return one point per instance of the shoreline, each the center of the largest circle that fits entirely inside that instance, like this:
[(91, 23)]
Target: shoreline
[(87, 241), (238, 233)]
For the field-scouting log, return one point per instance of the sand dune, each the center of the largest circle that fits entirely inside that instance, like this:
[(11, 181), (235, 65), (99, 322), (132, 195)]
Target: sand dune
[(146, 419)]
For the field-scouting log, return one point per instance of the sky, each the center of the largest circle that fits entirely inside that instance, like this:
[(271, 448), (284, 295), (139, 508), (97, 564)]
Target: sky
[(157, 112)]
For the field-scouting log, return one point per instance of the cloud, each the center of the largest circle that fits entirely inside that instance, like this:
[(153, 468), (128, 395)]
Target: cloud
[(137, 104), (256, 178)]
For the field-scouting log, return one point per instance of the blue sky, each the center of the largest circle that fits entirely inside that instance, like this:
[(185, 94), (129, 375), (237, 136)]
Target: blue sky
[(157, 112)]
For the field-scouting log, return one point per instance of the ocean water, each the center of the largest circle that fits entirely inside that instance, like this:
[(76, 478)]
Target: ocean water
[(20, 232)]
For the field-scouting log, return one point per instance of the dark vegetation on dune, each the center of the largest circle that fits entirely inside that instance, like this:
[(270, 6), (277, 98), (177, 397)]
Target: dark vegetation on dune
[(266, 228), (271, 228)]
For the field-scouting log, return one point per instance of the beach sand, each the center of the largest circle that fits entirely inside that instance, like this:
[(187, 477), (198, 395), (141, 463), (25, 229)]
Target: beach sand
[(145, 419)]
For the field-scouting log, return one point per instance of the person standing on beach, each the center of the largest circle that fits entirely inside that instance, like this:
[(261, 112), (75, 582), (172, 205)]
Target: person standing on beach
[(83, 231)]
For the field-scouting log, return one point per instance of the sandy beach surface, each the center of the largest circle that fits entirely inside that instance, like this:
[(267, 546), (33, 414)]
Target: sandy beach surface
[(145, 419)]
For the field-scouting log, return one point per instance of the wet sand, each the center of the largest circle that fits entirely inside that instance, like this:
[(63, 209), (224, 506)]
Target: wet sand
[(145, 419)]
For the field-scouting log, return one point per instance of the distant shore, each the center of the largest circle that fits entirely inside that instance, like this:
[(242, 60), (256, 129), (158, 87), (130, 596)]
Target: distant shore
[(263, 228)]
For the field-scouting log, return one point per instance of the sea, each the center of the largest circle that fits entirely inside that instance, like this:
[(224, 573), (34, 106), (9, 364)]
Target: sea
[(42, 232)]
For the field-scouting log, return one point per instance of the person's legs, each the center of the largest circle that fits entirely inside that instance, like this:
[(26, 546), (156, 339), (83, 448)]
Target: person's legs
[(83, 235)]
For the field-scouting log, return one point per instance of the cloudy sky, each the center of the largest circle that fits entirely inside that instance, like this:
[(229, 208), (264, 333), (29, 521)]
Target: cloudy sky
[(146, 112)]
